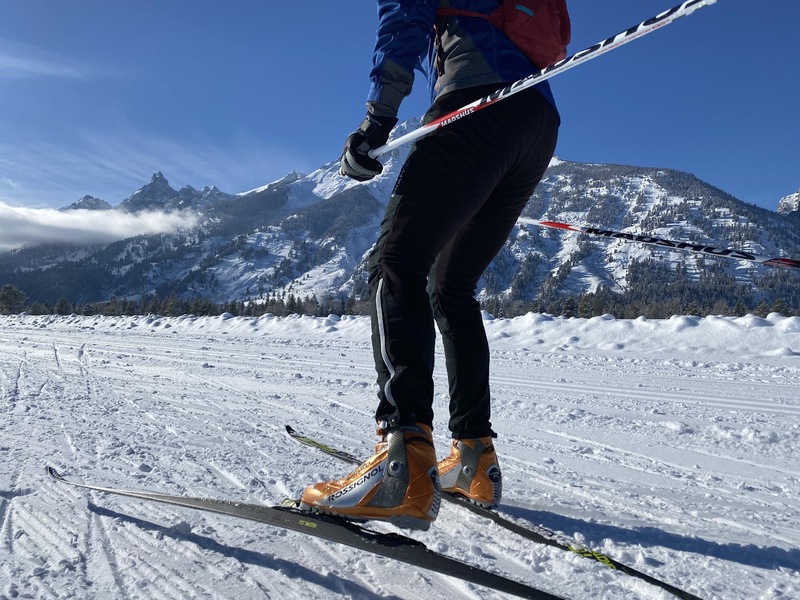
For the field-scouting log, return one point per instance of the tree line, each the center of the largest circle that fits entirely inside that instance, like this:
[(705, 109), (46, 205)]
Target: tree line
[(14, 301), (677, 297)]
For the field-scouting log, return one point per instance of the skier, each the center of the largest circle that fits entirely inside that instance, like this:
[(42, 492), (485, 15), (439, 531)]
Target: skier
[(452, 208)]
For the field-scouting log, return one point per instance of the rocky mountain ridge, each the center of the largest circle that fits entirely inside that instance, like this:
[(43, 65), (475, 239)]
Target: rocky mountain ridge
[(308, 235)]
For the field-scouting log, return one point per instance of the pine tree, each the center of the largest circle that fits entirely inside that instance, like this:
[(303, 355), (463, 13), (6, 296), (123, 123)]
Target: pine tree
[(12, 300), (63, 307)]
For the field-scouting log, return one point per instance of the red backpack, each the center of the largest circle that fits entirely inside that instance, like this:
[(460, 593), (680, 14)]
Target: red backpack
[(540, 28)]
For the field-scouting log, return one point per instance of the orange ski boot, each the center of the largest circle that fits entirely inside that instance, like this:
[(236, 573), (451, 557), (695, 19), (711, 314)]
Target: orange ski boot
[(472, 470), (399, 483)]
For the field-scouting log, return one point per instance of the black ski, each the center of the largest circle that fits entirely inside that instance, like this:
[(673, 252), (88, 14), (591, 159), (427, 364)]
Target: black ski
[(334, 529), (534, 533)]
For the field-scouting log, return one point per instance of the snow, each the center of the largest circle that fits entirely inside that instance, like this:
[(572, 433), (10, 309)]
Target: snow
[(670, 445)]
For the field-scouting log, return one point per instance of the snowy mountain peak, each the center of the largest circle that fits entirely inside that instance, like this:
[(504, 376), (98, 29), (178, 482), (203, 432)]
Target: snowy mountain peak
[(405, 127), (211, 194), (287, 179), (789, 204), (156, 195), (308, 235), (188, 191), (88, 203)]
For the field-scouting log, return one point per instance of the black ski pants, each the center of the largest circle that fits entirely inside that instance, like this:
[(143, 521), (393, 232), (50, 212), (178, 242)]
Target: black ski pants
[(453, 207)]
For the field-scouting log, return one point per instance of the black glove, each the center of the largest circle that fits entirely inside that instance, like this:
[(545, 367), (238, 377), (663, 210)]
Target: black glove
[(372, 133)]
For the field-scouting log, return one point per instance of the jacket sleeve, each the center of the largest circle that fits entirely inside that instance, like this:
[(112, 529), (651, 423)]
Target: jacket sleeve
[(404, 39)]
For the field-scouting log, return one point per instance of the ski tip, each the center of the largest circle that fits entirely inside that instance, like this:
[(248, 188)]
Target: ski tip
[(290, 430), (53, 473)]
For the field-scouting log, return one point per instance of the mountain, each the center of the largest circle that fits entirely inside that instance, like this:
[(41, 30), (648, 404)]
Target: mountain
[(88, 203), (156, 195), (307, 235), (789, 204)]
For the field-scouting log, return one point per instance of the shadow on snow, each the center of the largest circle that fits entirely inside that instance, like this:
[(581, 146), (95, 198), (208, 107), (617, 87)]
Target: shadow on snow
[(750, 554), (291, 569)]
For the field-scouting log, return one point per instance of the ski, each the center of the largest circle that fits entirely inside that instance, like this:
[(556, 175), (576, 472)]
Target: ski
[(778, 261), (534, 533), (334, 529)]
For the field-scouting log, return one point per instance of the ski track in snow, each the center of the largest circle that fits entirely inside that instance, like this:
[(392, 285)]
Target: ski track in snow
[(668, 445)]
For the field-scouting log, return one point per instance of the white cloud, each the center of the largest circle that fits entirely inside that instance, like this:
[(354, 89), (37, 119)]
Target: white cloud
[(18, 60), (14, 66), (20, 226)]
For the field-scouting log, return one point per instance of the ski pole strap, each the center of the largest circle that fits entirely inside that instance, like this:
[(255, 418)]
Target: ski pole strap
[(587, 54), (655, 241)]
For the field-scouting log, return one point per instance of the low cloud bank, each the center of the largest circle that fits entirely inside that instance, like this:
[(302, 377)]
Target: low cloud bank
[(20, 226)]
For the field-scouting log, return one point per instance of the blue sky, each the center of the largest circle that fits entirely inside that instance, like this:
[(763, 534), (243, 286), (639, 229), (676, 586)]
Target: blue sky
[(95, 96)]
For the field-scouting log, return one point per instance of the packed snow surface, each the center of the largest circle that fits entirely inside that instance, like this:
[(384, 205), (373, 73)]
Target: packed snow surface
[(669, 445)]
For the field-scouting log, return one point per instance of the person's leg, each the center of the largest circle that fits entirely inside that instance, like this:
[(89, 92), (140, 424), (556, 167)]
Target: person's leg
[(443, 184), (527, 149), (472, 468), (445, 181)]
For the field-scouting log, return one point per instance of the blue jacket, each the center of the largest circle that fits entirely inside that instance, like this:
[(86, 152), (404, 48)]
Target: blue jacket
[(468, 52)]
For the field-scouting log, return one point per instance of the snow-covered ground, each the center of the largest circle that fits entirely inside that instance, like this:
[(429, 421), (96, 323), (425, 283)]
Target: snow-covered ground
[(669, 445)]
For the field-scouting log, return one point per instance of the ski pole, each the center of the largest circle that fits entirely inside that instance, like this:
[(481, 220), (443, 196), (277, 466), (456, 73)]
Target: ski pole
[(654, 241), (587, 54)]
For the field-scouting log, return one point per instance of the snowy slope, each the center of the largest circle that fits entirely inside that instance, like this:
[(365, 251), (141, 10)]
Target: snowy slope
[(790, 203), (308, 235), (669, 445)]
